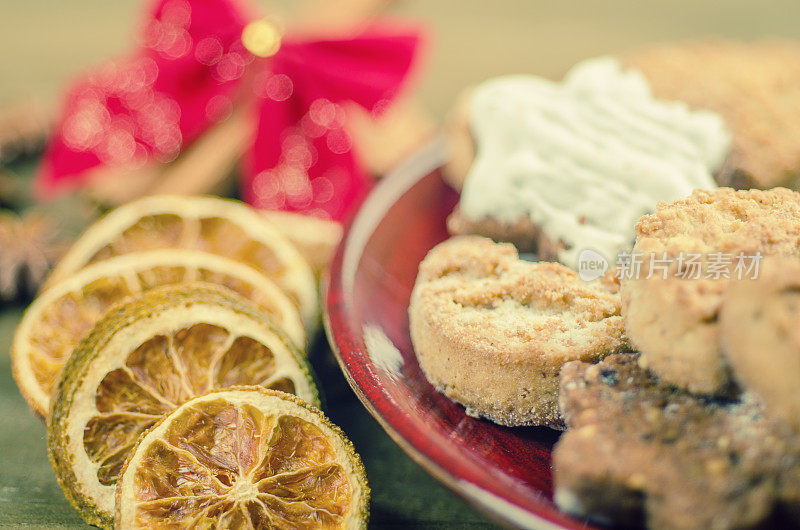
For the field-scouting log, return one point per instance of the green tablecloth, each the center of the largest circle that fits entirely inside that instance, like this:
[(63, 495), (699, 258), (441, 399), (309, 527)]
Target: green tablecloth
[(403, 495)]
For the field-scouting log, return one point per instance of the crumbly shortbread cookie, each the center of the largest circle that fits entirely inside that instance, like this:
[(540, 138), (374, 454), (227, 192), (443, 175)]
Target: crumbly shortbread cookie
[(671, 315), (492, 332), (760, 332), (754, 86), (580, 160), (640, 451)]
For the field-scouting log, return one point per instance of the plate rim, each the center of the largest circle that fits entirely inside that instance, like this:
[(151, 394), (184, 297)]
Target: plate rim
[(357, 232)]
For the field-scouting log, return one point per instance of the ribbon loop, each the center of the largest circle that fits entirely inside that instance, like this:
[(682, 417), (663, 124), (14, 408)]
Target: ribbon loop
[(196, 58)]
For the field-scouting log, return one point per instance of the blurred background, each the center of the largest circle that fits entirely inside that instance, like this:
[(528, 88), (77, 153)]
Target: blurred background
[(45, 42)]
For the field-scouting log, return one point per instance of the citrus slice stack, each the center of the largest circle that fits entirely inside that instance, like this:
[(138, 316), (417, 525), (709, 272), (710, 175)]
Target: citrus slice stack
[(143, 360), (60, 317), (243, 458), (219, 226)]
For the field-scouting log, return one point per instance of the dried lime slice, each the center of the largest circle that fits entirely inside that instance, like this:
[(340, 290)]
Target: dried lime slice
[(243, 458), (146, 358), (62, 315), (219, 226)]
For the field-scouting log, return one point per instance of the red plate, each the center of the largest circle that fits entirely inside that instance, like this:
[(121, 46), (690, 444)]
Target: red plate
[(504, 471)]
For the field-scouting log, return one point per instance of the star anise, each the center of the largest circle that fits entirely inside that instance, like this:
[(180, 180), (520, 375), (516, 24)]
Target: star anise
[(29, 245)]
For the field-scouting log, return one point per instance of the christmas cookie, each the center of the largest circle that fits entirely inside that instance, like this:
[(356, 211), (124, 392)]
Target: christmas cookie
[(580, 161), (492, 332), (760, 332), (638, 451), (754, 86), (687, 255)]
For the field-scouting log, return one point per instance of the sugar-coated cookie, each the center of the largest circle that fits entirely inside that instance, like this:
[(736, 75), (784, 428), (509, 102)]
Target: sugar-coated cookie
[(639, 452), (685, 258), (492, 332), (760, 332)]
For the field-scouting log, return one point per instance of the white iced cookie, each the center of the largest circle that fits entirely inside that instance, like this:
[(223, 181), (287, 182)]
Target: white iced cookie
[(585, 158)]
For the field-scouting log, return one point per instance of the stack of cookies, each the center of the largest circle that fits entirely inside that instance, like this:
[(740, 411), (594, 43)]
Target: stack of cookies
[(660, 330), (699, 429)]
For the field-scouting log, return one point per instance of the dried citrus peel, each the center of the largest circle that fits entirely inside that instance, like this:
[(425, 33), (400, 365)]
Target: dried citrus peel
[(145, 359), (247, 458)]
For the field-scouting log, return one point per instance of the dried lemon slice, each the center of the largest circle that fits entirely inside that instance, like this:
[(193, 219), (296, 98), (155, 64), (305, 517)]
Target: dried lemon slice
[(144, 359), (243, 458), (315, 238), (60, 317), (220, 226)]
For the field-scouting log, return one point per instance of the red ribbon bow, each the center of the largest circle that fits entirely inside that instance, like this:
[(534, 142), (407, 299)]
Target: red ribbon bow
[(193, 68)]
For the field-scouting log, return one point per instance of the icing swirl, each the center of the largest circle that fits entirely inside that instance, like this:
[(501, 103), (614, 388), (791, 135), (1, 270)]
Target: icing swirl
[(585, 158)]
